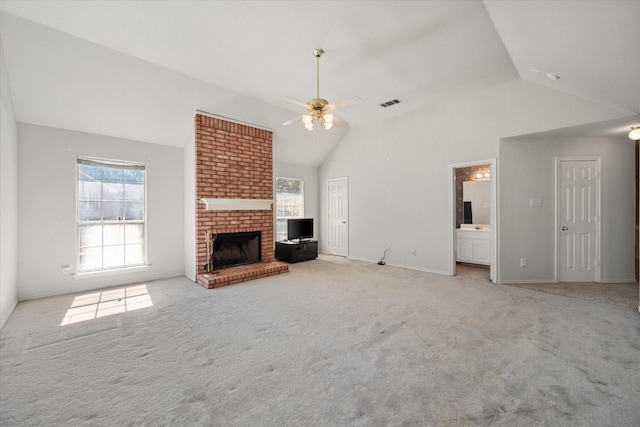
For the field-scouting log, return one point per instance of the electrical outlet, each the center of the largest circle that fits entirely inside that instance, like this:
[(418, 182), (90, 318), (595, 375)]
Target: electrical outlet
[(413, 252), (523, 262), (66, 269)]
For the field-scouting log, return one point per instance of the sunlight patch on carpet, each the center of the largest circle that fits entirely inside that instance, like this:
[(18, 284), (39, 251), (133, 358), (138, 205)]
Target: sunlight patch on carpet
[(106, 303)]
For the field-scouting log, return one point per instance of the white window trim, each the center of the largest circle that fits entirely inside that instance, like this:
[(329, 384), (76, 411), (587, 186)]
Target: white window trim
[(145, 266), (275, 207)]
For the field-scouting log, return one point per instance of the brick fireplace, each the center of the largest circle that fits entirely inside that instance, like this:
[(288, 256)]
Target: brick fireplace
[(234, 168)]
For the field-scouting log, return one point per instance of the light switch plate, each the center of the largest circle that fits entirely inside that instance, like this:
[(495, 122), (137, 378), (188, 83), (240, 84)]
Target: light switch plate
[(535, 203)]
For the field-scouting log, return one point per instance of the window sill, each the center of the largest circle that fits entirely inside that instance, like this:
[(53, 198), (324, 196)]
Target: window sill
[(115, 272)]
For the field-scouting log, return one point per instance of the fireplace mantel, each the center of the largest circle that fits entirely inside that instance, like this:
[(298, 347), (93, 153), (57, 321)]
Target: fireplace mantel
[(237, 204)]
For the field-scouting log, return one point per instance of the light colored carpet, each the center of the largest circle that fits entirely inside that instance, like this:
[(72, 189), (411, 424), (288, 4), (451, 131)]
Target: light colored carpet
[(332, 343), (625, 294)]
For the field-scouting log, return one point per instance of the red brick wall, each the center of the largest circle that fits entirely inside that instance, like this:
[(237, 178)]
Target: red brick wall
[(233, 161)]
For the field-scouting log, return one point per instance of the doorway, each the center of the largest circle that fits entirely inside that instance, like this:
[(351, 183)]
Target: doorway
[(481, 236), (577, 219), (338, 243)]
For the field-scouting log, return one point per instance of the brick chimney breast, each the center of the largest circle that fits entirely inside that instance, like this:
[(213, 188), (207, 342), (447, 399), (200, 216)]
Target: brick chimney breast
[(233, 161)]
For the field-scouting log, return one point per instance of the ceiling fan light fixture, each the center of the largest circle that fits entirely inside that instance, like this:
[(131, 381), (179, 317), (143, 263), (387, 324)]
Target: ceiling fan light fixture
[(307, 119), (327, 121)]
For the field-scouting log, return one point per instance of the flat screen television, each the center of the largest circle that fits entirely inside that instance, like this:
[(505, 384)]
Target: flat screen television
[(299, 228)]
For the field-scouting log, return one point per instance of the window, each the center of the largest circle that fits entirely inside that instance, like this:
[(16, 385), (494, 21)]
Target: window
[(289, 203), (111, 215)]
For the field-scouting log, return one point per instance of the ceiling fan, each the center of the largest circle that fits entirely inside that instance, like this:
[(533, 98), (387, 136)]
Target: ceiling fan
[(318, 108)]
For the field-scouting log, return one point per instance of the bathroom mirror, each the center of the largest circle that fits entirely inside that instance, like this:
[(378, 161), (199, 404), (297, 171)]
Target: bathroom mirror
[(478, 193)]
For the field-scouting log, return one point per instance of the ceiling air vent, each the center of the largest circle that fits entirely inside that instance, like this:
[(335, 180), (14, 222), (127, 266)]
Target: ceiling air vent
[(389, 103)]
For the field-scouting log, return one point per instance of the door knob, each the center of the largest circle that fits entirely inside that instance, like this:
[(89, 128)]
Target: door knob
[(564, 228), (344, 222)]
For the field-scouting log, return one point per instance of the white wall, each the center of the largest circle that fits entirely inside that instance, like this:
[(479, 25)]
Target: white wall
[(47, 203), (189, 206), (8, 197), (398, 168), (527, 170), (309, 175)]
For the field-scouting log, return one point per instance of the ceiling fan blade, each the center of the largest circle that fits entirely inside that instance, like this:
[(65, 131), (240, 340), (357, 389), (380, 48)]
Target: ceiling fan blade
[(295, 101), (292, 121), (345, 103), (340, 122)]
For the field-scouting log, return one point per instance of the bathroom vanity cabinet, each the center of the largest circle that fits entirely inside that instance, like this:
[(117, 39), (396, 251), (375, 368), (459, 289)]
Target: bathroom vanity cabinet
[(473, 245)]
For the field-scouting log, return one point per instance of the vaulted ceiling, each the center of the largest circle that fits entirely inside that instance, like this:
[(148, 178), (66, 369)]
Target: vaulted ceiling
[(140, 69)]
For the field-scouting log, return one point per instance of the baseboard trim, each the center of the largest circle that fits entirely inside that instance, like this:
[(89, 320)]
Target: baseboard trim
[(408, 267), (612, 281), (13, 306), (425, 270), (507, 281), (618, 281)]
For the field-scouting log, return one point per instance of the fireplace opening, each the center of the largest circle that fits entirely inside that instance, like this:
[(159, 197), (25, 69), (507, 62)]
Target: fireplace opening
[(231, 249)]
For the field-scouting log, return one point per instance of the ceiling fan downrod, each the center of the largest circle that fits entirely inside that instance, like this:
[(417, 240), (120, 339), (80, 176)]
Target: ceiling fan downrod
[(318, 53), (318, 106)]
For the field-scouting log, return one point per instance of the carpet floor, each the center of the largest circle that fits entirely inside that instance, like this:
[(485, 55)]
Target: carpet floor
[(625, 294), (334, 342)]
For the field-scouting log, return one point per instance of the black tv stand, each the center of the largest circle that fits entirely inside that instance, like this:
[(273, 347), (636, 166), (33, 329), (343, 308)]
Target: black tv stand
[(296, 250)]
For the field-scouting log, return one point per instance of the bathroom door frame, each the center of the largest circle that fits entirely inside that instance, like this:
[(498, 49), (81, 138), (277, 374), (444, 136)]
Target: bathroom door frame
[(493, 215)]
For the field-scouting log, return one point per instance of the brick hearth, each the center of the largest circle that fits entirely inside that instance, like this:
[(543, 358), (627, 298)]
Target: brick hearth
[(233, 161), (243, 273)]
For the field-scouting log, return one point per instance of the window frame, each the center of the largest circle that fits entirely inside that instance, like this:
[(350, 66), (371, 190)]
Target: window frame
[(276, 217), (124, 164)]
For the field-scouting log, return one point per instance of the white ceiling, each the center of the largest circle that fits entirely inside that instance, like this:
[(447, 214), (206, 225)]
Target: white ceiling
[(139, 69)]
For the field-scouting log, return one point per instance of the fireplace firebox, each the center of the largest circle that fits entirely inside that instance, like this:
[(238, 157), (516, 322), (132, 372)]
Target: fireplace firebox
[(232, 249)]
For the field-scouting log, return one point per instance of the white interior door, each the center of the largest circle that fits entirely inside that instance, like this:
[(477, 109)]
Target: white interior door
[(338, 243), (578, 220)]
